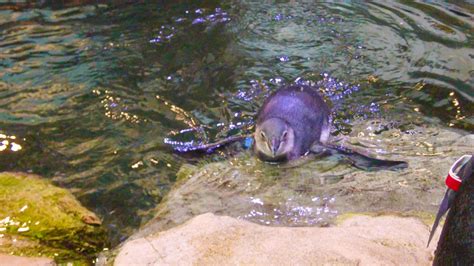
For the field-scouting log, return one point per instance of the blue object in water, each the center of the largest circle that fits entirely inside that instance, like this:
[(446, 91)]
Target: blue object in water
[(248, 142)]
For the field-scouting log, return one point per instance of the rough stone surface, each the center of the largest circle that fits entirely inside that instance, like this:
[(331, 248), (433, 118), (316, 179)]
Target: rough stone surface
[(219, 240), (9, 260)]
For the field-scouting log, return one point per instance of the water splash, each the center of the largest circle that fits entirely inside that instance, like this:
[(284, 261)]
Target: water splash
[(337, 91)]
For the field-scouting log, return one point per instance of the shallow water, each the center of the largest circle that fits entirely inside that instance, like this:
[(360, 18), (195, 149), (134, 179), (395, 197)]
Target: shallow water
[(88, 94)]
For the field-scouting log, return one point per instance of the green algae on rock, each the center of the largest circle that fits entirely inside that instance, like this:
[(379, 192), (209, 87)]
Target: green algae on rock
[(39, 219)]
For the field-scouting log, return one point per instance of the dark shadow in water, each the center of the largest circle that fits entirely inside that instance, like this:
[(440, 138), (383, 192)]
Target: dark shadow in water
[(371, 164)]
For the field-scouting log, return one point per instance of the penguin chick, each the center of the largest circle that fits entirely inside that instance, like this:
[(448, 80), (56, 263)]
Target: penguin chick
[(275, 138), (290, 121)]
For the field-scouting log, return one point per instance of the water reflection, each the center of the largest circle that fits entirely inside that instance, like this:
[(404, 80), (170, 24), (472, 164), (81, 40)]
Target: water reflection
[(8, 143)]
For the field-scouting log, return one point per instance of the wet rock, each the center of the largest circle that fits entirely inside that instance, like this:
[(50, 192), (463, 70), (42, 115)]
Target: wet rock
[(313, 192), (317, 190), (39, 219), (211, 240)]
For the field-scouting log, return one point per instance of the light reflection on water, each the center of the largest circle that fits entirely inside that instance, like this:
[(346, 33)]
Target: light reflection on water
[(298, 211), (91, 92), (9, 143)]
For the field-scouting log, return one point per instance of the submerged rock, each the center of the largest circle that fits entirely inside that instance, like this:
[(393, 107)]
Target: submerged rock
[(211, 240), (315, 192), (39, 219)]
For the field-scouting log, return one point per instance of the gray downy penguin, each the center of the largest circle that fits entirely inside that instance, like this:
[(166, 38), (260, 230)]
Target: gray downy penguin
[(291, 121), (294, 121)]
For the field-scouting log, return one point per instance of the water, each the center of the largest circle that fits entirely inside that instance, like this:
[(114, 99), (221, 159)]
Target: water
[(88, 94)]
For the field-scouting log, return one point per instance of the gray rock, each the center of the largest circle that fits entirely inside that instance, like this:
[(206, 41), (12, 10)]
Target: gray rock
[(219, 240)]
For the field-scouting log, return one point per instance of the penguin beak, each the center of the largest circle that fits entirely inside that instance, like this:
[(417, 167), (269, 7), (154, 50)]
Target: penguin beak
[(275, 145)]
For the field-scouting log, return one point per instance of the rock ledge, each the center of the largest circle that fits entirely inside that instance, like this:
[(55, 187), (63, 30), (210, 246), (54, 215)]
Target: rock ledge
[(210, 240)]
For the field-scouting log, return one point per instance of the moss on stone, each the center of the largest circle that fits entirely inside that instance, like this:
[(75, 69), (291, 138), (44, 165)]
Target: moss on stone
[(185, 171), (37, 218)]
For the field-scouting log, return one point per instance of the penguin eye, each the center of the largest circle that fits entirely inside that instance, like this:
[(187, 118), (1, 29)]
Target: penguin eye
[(263, 135), (285, 134)]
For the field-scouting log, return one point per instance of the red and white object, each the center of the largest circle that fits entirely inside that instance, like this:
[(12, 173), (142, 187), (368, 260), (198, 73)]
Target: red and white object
[(453, 181)]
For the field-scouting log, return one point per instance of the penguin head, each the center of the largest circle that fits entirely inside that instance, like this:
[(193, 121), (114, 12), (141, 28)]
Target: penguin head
[(274, 139)]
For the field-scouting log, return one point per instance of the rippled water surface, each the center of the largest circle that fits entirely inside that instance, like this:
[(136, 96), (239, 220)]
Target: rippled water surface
[(88, 94)]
